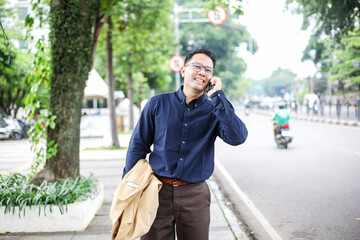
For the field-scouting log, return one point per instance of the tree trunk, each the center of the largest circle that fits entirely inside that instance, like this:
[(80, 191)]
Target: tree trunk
[(71, 38), (2, 100), (110, 78), (17, 101), (8, 112), (131, 101), (139, 94)]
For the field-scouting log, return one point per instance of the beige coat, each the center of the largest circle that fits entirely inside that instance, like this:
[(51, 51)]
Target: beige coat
[(135, 202)]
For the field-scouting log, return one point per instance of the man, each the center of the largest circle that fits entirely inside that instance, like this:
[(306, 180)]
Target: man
[(182, 127), (281, 117)]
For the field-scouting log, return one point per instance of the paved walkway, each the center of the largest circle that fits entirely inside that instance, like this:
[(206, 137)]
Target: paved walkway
[(108, 166)]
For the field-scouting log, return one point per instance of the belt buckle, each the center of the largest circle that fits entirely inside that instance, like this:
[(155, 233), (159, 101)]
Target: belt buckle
[(174, 183)]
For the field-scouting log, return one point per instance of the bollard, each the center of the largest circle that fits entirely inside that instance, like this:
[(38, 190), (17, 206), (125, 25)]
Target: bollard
[(358, 108), (338, 108), (330, 108), (322, 108)]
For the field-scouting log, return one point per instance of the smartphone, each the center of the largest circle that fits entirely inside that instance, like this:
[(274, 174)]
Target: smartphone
[(209, 87)]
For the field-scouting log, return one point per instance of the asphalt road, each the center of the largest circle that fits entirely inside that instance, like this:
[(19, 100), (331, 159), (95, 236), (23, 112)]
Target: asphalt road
[(309, 191)]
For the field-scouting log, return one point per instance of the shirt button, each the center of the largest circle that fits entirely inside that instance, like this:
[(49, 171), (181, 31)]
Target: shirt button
[(185, 124), (188, 109), (183, 142), (181, 159), (219, 94)]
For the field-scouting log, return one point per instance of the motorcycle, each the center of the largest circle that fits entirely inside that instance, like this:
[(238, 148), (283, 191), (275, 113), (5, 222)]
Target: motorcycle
[(25, 127), (283, 135), (315, 107), (10, 129)]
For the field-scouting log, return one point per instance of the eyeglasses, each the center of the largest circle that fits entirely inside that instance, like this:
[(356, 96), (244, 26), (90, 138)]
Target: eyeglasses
[(198, 67)]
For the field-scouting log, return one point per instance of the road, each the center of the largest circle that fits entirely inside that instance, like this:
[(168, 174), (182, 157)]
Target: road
[(309, 191)]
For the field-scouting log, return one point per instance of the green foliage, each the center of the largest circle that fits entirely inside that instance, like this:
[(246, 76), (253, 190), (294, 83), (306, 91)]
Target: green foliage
[(224, 40), (142, 39), (279, 79), (345, 54), (339, 20), (336, 57), (38, 132), (15, 191), (37, 101), (13, 81), (332, 17)]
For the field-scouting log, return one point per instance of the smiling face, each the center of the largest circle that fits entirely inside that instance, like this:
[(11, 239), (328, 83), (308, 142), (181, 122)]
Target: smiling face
[(196, 81)]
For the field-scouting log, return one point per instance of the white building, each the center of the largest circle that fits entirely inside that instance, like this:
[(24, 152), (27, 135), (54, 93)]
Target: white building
[(20, 10)]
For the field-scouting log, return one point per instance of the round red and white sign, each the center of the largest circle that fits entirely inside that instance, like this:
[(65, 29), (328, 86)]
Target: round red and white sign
[(176, 62), (217, 16)]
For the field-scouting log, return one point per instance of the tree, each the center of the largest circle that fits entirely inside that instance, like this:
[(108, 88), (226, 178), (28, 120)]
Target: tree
[(224, 40), (280, 80), (332, 17), (110, 77), (71, 38), (143, 41), (14, 64), (339, 20), (345, 55), (13, 80)]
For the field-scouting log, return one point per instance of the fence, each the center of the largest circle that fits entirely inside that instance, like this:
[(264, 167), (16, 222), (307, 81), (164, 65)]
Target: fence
[(345, 111)]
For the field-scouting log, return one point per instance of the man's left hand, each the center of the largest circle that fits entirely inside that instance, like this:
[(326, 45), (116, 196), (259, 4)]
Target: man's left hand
[(217, 83)]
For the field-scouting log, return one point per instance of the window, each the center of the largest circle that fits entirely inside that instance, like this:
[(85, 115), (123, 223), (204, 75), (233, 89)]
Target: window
[(22, 44), (23, 12)]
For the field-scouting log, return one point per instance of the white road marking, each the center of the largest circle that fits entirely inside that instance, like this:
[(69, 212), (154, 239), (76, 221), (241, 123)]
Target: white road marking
[(264, 223), (344, 149)]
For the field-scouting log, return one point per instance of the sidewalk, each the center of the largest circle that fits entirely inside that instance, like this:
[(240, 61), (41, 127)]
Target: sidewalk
[(108, 167)]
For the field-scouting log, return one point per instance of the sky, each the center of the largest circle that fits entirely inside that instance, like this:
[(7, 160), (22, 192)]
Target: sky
[(279, 37)]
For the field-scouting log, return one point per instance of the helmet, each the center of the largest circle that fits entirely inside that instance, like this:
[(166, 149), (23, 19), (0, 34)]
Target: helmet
[(282, 105)]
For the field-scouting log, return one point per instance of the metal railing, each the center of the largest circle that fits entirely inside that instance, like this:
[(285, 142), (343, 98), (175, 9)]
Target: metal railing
[(337, 110)]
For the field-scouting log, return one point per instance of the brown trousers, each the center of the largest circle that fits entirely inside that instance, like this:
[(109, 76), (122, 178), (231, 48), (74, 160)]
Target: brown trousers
[(186, 208)]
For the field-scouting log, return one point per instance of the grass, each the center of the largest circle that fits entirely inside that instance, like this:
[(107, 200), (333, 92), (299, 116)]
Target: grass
[(15, 191)]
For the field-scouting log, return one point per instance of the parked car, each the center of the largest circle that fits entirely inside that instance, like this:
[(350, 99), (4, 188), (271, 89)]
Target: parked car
[(10, 129)]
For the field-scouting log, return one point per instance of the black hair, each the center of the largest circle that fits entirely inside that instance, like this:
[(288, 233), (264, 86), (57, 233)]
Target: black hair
[(205, 51)]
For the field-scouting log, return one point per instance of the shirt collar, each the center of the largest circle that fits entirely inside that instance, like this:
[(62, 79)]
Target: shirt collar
[(181, 97)]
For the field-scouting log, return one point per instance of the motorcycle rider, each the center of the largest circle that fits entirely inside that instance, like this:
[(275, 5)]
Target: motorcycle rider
[(281, 117)]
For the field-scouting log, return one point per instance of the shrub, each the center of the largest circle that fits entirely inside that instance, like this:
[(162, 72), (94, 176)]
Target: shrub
[(15, 191)]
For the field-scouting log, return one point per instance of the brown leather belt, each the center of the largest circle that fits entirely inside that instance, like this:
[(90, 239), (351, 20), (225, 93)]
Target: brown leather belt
[(174, 182)]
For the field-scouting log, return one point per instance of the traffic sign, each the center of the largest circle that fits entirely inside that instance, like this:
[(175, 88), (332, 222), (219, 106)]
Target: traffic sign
[(217, 16), (176, 62)]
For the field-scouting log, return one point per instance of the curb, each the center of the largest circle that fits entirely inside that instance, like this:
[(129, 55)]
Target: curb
[(316, 119), (230, 218)]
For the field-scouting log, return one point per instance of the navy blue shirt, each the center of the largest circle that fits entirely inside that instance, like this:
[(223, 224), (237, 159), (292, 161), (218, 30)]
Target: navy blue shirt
[(183, 135)]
